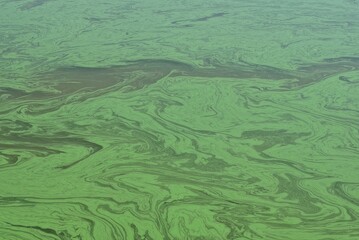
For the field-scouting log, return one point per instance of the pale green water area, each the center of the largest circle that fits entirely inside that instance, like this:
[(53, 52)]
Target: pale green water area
[(191, 119)]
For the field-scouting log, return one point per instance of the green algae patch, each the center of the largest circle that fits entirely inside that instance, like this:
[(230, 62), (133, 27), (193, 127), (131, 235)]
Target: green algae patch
[(154, 120)]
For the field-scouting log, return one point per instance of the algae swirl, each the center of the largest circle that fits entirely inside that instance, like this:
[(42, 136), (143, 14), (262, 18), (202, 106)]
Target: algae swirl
[(167, 120)]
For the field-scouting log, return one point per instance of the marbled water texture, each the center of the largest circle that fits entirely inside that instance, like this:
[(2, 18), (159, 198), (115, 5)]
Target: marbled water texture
[(181, 120)]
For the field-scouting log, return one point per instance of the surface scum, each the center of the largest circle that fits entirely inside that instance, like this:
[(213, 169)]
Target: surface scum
[(179, 120)]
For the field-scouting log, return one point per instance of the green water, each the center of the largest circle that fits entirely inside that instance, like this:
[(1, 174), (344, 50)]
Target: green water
[(181, 120)]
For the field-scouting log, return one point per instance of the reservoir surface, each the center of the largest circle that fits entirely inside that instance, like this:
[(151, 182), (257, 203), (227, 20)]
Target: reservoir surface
[(191, 119)]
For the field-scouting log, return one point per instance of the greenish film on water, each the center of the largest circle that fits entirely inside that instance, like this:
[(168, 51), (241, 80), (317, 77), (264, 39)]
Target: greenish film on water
[(191, 119)]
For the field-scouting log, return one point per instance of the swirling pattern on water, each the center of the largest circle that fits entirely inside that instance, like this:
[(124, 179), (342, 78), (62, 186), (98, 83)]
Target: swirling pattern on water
[(152, 148)]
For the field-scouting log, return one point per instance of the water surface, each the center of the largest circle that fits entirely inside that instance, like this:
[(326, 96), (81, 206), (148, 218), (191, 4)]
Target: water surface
[(179, 120)]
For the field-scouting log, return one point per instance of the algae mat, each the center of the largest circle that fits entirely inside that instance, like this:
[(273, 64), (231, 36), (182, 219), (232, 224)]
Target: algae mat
[(179, 120)]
